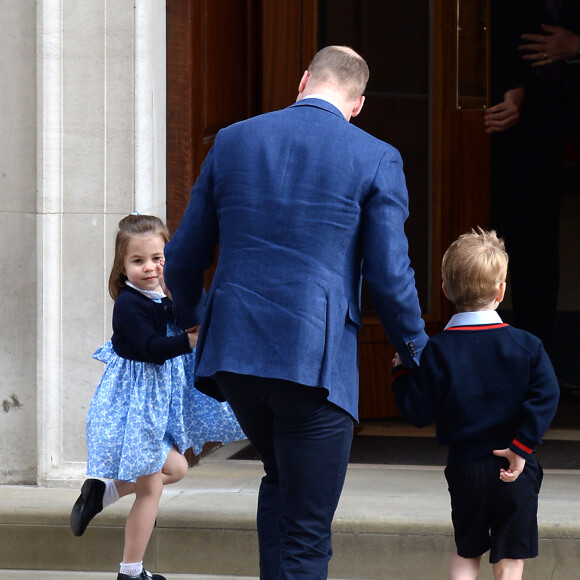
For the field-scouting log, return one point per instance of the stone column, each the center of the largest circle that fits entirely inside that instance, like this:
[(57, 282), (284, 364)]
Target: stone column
[(101, 151)]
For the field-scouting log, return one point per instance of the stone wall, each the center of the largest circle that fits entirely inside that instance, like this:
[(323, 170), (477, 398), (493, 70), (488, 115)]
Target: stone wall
[(82, 140), (18, 240)]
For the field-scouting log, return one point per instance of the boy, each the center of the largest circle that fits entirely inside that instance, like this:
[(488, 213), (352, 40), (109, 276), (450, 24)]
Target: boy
[(493, 392)]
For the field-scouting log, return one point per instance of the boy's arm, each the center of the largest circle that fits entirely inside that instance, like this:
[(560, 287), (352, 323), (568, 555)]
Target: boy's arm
[(416, 390), (540, 406)]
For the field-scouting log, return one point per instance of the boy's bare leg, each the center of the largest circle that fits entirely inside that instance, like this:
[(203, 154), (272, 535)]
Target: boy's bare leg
[(463, 568), (508, 569)]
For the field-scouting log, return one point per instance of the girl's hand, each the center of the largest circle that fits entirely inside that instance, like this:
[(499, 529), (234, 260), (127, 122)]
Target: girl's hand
[(159, 267), (397, 360), (192, 334)]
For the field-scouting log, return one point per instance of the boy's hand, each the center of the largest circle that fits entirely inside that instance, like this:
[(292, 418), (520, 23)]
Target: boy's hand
[(517, 464), (397, 360)]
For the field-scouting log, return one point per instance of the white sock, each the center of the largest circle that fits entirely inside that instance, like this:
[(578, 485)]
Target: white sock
[(111, 494), (134, 569)]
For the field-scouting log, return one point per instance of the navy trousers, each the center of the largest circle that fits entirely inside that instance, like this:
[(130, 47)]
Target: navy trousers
[(304, 443)]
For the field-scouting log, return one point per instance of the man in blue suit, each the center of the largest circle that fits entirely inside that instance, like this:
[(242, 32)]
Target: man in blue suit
[(301, 204)]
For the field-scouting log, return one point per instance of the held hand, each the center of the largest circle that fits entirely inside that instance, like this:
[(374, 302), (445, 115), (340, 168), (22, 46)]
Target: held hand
[(517, 464), (557, 44), (505, 114), (397, 360), (192, 334)]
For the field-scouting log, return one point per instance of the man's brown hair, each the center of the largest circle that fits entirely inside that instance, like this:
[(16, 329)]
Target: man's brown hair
[(340, 66)]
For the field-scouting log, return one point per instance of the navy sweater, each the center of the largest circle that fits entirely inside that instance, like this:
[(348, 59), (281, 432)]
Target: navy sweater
[(486, 386), (140, 328)]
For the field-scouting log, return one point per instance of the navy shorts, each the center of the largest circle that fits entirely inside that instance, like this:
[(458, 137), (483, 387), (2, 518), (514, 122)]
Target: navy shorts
[(489, 514)]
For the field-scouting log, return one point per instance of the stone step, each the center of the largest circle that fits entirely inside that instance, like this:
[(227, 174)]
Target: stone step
[(393, 523), (60, 575)]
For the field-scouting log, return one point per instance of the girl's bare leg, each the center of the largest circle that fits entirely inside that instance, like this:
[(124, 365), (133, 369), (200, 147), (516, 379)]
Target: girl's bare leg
[(124, 487), (463, 568), (508, 569), (141, 518), (175, 467), (173, 470)]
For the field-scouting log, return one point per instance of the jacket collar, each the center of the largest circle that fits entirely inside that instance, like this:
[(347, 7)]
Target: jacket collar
[(320, 104)]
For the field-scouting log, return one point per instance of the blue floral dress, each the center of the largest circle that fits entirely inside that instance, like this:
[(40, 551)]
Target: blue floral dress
[(140, 410)]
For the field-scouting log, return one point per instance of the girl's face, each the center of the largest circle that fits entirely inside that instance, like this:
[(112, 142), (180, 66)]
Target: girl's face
[(143, 263)]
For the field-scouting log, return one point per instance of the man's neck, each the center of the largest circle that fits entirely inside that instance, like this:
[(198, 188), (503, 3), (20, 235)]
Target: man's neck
[(325, 97)]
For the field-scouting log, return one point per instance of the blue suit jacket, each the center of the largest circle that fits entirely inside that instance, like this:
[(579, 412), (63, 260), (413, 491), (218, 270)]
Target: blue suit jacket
[(301, 203)]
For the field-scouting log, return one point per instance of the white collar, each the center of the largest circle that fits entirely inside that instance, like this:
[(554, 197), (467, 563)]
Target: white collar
[(153, 294), (473, 318), (326, 98)]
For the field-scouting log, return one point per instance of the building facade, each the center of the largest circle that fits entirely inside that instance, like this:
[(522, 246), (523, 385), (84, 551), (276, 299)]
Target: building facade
[(82, 140)]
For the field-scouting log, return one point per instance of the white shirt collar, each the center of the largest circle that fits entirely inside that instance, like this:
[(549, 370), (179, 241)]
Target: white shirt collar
[(154, 295), (473, 318), (326, 98)]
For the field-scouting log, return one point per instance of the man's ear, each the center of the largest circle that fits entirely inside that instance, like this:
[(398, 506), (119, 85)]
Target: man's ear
[(358, 106), (303, 81)]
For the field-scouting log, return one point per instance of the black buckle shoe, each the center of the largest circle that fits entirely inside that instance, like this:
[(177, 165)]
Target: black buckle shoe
[(87, 506)]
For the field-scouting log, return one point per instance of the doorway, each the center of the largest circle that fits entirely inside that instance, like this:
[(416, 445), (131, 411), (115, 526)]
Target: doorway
[(232, 59), (426, 96)]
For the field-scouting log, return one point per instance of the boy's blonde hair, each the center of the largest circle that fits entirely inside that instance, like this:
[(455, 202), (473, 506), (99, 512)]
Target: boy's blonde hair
[(129, 227), (473, 267)]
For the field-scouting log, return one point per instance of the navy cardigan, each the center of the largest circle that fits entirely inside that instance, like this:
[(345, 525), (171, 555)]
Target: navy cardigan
[(140, 328), (486, 386)]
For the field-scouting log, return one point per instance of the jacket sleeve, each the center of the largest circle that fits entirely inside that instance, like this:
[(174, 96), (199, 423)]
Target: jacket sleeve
[(386, 265), (191, 250), (540, 406), (417, 393)]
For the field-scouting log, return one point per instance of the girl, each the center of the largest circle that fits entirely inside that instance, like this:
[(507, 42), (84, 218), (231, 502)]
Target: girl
[(145, 411)]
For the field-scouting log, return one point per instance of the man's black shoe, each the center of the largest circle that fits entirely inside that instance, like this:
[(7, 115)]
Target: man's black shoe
[(87, 506)]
